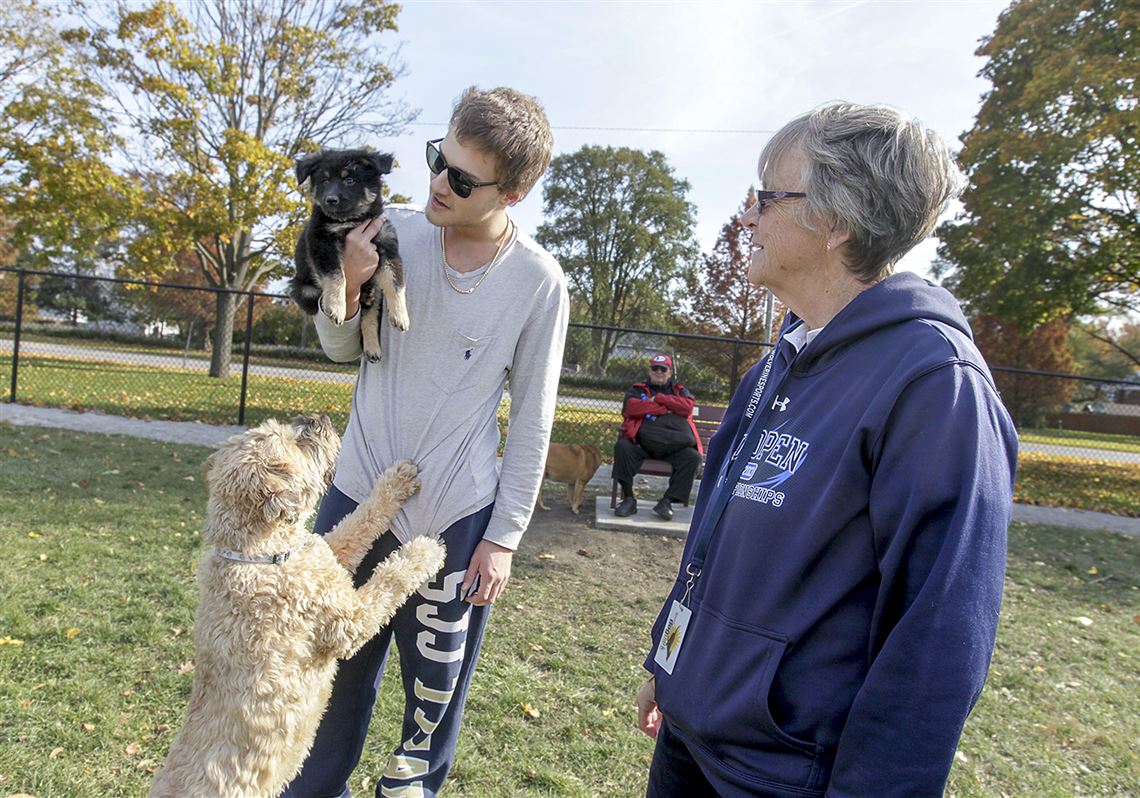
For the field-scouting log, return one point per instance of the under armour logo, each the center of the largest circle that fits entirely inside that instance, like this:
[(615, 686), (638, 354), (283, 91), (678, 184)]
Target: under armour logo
[(467, 355), (780, 404)]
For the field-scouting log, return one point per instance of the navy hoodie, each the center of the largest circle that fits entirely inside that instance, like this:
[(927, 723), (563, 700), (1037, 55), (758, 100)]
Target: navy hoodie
[(843, 623)]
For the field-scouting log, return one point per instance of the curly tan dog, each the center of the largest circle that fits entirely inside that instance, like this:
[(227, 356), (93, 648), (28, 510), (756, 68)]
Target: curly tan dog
[(276, 607)]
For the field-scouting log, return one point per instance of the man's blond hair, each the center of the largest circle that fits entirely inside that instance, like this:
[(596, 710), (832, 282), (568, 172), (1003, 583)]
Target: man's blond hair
[(512, 128)]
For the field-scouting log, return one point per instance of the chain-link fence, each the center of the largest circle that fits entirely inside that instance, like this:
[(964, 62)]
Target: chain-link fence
[(148, 350)]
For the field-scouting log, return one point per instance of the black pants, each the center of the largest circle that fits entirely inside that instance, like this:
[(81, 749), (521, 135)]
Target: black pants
[(674, 773), (438, 636), (628, 457)]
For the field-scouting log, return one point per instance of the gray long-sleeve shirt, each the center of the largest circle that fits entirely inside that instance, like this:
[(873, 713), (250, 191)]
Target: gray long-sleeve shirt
[(434, 397)]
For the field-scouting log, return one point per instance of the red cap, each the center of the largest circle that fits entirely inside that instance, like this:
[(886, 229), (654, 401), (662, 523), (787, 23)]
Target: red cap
[(661, 360)]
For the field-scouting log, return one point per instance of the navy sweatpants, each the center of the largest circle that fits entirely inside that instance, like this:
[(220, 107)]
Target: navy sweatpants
[(438, 637)]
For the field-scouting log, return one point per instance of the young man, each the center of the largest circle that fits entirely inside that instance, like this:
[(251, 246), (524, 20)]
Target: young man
[(657, 421), (487, 305)]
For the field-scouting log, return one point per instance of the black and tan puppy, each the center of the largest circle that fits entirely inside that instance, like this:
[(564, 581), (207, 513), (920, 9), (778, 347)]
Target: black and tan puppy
[(346, 189)]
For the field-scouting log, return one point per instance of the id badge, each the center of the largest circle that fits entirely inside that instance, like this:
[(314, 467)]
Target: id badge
[(669, 647)]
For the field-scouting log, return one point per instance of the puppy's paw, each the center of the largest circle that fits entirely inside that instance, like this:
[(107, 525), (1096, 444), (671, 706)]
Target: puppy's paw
[(372, 355), (336, 315), (399, 480), (398, 318), (397, 305)]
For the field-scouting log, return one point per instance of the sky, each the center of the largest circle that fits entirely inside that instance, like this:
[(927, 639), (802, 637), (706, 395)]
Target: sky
[(704, 82)]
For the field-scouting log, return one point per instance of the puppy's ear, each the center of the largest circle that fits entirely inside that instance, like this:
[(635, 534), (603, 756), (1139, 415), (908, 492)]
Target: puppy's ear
[(381, 162), (306, 166)]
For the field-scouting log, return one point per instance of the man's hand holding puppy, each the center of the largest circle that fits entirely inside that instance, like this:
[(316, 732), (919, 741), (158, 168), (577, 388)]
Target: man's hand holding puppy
[(360, 262)]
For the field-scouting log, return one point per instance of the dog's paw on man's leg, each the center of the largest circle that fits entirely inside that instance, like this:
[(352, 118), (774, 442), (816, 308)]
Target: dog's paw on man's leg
[(372, 606), (404, 572)]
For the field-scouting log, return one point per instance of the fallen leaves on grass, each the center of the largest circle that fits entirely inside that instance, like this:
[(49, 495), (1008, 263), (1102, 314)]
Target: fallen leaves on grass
[(529, 711)]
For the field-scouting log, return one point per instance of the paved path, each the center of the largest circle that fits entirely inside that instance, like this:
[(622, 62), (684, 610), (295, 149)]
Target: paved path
[(171, 431), (348, 377), (210, 435)]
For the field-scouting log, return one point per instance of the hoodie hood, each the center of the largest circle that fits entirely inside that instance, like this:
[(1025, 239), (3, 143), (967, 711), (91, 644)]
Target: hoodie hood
[(896, 299)]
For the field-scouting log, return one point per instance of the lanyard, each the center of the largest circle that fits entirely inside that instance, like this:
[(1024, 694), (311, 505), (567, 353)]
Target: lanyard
[(729, 475)]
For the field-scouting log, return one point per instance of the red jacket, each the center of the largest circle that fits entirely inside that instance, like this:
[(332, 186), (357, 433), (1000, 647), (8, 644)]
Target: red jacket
[(636, 408)]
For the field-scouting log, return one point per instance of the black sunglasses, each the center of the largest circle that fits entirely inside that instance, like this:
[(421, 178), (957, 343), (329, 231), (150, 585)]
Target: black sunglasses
[(766, 198), (460, 183), (658, 368)]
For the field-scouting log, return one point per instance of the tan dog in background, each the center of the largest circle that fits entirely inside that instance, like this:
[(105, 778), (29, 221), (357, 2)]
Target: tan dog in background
[(276, 607), (574, 464)]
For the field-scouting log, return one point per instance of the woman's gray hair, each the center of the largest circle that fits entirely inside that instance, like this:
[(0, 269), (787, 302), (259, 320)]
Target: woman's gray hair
[(873, 171)]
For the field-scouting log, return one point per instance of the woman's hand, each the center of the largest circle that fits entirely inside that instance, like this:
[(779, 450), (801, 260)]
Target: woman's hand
[(648, 715)]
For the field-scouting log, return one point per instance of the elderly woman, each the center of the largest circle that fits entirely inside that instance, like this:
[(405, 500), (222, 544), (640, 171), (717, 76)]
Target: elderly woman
[(835, 610)]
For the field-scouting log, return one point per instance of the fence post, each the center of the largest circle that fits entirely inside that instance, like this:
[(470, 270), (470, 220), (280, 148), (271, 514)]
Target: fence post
[(245, 357), (16, 335)]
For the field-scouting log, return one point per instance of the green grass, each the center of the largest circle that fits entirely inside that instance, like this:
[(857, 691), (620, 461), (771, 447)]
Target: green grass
[(1058, 481), (147, 392), (186, 395), (1070, 437), (98, 595), (1059, 715)]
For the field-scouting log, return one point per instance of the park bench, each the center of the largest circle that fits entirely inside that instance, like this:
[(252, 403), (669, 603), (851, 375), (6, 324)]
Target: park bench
[(706, 418)]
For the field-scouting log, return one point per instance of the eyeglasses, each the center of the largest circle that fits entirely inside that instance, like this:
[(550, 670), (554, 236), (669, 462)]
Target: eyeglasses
[(766, 198), (460, 183), (658, 368)]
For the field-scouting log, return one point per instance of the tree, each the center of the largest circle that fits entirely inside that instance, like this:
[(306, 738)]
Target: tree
[(71, 296), (1102, 351), (722, 302), (1049, 228), (619, 223), (61, 200), (220, 97), (1027, 396)]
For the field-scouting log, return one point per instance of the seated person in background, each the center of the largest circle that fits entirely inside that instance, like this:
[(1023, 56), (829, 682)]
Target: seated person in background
[(657, 422)]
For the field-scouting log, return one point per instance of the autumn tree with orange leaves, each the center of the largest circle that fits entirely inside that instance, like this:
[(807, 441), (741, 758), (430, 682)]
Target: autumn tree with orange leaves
[(721, 302)]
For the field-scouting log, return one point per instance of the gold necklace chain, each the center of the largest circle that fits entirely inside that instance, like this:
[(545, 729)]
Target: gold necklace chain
[(509, 236)]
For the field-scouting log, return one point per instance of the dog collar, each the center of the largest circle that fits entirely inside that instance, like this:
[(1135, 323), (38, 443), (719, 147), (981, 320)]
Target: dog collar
[(278, 558)]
